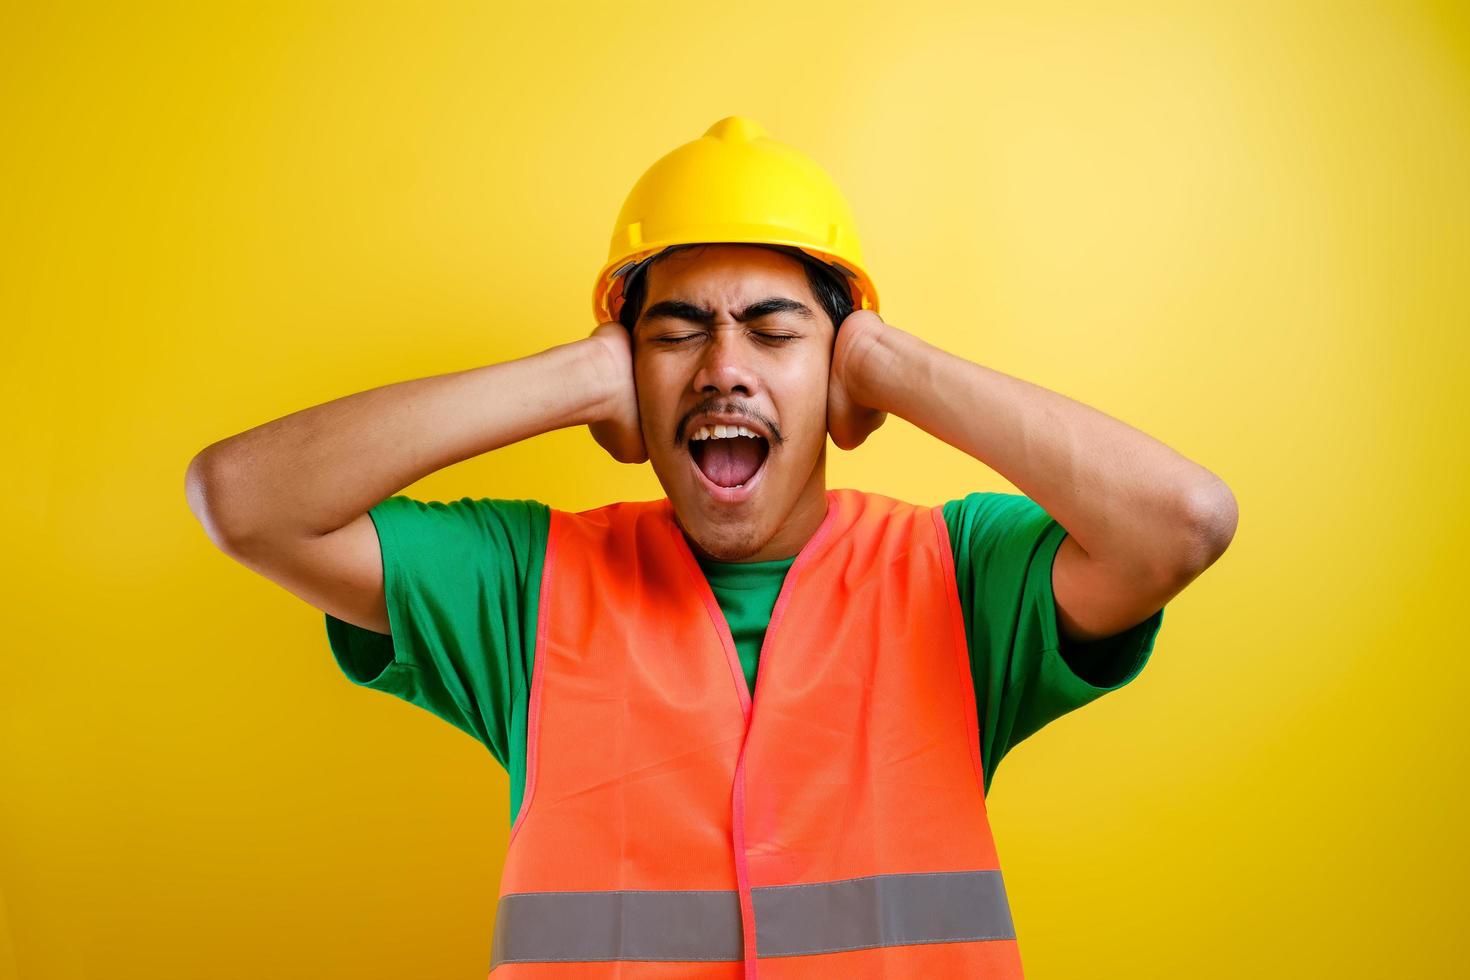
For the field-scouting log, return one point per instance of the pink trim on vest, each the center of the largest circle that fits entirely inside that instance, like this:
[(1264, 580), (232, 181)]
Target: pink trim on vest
[(747, 701), (966, 678), (538, 676)]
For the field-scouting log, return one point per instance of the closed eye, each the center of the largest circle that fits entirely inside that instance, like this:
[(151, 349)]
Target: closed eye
[(691, 336)]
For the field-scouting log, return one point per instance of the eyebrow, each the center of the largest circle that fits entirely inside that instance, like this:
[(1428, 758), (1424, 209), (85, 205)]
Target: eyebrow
[(678, 309)]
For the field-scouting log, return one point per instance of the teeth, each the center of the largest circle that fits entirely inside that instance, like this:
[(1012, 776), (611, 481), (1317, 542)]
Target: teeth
[(722, 432)]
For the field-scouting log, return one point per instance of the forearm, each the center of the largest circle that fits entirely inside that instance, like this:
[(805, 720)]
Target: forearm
[(1125, 497), (315, 470)]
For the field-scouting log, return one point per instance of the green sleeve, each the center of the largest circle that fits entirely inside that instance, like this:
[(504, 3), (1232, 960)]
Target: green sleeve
[(461, 581), (1025, 675)]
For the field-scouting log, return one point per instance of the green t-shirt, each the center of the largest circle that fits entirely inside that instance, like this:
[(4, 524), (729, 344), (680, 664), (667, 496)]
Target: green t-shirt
[(462, 582)]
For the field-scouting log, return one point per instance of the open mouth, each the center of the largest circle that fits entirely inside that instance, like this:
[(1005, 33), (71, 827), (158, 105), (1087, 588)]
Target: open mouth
[(730, 462)]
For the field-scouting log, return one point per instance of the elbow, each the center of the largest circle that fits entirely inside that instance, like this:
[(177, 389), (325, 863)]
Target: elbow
[(206, 482), (1210, 515)]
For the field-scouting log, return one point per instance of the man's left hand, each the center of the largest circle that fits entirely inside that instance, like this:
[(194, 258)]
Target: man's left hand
[(849, 419)]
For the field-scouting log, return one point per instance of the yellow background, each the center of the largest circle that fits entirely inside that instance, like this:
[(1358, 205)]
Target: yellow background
[(1244, 230)]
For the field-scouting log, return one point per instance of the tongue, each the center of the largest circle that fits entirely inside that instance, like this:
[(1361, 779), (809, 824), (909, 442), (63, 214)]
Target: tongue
[(730, 462)]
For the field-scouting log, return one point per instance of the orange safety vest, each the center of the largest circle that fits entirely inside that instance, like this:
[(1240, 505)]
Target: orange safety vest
[(675, 826)]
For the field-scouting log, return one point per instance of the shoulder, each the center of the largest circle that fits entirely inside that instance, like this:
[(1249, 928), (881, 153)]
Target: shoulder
[(871, 522), (464, 510), (619, 529), (612, 516), (454, 530), (874, 508), (983, 514)]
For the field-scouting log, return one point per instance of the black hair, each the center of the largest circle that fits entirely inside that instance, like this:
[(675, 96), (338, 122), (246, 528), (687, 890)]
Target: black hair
[(828, 285)]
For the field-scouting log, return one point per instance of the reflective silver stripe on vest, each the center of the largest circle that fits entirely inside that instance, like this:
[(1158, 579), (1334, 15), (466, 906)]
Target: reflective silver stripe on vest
[(791, 920), (545, 927), (881, 910)]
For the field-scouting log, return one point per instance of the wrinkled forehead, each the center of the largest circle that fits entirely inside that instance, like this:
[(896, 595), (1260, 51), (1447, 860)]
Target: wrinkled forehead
[(726, 276)]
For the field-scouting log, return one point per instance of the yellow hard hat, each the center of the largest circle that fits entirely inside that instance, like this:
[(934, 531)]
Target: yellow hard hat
[(733, 184)]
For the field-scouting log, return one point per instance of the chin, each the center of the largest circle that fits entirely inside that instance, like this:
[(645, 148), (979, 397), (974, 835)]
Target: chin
[(722, 535), (727, 549)]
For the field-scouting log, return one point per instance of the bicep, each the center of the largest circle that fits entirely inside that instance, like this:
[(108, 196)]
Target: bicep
[(1096, 601)]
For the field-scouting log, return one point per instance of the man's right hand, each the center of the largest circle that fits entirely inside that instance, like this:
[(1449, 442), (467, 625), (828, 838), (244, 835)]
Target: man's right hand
[(619, 431)]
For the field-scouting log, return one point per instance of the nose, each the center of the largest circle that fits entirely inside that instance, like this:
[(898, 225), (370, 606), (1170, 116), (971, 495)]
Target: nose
[(725, 365)]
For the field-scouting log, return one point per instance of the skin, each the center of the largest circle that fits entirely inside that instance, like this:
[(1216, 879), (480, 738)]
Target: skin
[(776, 367), (1142, 520), (290, 498)]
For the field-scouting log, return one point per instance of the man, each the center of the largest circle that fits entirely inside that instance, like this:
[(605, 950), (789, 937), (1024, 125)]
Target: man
[(749, 727)]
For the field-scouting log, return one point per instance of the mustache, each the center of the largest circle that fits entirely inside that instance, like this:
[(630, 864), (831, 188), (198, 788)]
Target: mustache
[(714, 408)]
